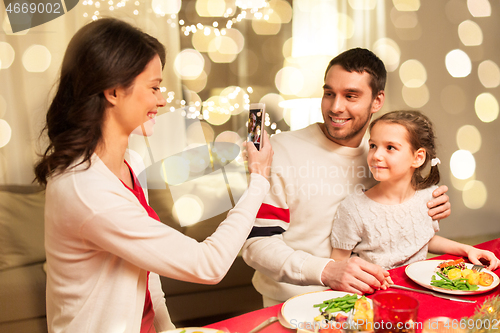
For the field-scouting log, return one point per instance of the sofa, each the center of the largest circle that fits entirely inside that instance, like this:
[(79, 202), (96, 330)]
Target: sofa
[(22, 275), (22, 254)]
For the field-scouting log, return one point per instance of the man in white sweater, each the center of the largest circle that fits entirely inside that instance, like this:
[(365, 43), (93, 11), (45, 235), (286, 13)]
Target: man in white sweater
[(313, 170)]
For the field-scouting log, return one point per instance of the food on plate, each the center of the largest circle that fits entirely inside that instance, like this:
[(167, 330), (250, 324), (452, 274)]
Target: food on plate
[(331, 306), (456, 276), (445, 266), (334, 312), (454, 273), (473, 278), (363, 314), (485, 279)]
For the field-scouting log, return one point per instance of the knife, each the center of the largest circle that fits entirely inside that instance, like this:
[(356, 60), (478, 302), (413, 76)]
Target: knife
[(451, 298)]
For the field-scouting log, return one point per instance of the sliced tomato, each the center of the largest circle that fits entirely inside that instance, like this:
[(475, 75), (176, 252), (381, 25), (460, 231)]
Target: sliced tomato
[(451, 263)]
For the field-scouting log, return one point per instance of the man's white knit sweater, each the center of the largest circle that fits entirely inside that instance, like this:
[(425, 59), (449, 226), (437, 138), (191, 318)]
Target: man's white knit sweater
[(289, 245), (100, 243)]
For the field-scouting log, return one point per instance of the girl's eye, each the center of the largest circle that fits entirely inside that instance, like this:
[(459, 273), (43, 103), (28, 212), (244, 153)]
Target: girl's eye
[(391, 148), (372, 145), (156, 88)]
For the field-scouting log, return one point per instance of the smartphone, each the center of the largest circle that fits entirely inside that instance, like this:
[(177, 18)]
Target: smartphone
[(256, 123)]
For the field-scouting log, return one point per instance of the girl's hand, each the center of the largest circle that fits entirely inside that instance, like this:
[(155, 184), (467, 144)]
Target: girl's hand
[(475, 254), (387, 283), (259, 161)]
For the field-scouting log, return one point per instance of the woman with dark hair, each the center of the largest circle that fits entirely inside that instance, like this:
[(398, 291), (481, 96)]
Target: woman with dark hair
[(105, 246)]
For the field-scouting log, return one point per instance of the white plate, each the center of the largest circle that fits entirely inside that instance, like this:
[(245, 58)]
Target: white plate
[(421, 272), (194, 330), (299, 313)]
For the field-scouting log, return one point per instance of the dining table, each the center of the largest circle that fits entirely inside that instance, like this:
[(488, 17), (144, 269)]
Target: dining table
[(429, 306)]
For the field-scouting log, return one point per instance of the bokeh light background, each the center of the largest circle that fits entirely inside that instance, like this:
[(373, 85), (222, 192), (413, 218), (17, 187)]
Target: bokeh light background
[(442, 58)]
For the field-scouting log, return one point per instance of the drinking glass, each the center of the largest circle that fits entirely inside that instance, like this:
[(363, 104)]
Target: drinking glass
[(394, 312)]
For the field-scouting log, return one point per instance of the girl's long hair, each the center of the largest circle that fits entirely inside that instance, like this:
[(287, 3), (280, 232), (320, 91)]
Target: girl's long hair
[(420, 135), (103, 54)]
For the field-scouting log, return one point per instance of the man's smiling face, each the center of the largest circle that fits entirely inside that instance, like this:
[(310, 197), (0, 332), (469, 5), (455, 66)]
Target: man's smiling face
[(347, 105)]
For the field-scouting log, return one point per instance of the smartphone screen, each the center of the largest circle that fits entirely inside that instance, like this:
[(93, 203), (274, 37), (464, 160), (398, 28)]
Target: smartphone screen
[(255, 123)]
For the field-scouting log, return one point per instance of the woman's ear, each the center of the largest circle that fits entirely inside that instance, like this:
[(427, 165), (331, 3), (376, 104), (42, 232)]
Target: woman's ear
[(110, 95), (419, 158)]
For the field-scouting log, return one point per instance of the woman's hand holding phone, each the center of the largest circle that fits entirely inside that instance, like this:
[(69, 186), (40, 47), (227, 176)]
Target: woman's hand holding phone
[(259, 161)]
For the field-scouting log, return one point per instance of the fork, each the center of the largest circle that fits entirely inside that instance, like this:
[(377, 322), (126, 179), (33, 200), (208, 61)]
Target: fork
[(477, 268), (264, 324)]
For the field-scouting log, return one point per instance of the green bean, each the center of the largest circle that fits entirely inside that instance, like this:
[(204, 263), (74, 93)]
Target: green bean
[(344, 303)]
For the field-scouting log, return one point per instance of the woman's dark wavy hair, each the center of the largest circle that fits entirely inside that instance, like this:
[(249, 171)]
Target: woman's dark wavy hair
[(420, 135), (103, 54)]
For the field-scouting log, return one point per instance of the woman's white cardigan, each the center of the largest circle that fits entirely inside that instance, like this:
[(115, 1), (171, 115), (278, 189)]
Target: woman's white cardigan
[(100, 242)]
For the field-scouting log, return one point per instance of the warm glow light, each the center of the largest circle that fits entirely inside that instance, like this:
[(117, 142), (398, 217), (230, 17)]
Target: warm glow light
[(311, 68), (222, 49), (388, 51), (363, 4), (489, 74), (474, 194), (300, 113), (406, 5), (486, 106), (163, 7), (188, 209), (458, 63), (479, 8), (210, 8), (404, 20), (201, 40), (412, 73), (459, 184), (234, 99), (7, 55), (462, 164), (289, 80), (37, 59), (270, 26), (197, 84), (469, 138), (5, 133), (416, 97), (283, 9), (197, 156), (287, 48), (470, 33), (246, 4), (237, 38), (229, 136), (189, 64), (175, 170), (273, 108), (319, 28), (199, 133), (453, 99), (215, 113)]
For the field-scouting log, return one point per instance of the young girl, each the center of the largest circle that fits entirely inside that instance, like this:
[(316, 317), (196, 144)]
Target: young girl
[(389, 224)]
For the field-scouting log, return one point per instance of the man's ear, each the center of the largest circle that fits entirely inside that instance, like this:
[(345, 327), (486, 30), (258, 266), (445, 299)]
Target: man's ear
[(378, 101), (110, 95), (419, 158)]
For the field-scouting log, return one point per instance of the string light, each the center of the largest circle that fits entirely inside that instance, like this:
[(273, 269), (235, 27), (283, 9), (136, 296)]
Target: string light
[(201, 110)]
